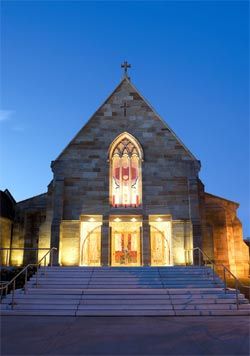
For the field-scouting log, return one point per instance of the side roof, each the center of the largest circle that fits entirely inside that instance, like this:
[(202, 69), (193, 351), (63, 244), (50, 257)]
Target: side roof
[(209, 195), (7, 205), (125, 79), (35, 202)]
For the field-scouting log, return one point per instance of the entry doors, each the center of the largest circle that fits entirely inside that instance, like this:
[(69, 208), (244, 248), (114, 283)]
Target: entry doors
[(126, 246), (160, 238), (90, 242)]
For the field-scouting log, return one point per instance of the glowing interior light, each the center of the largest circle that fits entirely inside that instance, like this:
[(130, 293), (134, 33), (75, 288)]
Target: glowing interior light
[(159, 219), (91, 219), (125, 174), (117, 220), (133, 219)]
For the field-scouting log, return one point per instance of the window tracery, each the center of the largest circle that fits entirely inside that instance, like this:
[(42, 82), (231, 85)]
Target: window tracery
[(126, 173)]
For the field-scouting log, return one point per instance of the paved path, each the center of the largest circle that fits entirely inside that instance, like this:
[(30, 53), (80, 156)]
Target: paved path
[(125, 336)]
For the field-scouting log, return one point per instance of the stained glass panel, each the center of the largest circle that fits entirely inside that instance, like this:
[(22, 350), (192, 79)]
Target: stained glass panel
[(125, 175)]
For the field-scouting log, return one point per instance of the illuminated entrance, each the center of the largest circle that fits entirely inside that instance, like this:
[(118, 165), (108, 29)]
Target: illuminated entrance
[(125, 242), (160, 241), (90, 244)]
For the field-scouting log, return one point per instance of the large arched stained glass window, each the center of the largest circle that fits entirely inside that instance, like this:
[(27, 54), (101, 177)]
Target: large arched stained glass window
[(125, 172)]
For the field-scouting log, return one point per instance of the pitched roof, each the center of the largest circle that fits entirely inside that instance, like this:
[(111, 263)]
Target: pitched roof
[(209, 195), (125, 79), (7, 205)]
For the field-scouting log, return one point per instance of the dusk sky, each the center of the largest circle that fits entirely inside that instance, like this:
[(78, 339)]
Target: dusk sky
[(60, 61)]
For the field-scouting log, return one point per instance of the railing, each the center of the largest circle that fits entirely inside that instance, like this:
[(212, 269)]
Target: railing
[(224, 269), (12, 282), (10, 249)]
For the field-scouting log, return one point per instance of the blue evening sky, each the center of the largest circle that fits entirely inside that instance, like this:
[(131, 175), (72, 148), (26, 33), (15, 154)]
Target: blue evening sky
[(61, 59)]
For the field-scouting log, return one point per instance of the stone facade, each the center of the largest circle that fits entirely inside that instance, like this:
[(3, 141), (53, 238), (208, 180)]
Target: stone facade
[(7, 215), (169, 170), (170, 187), (223, 237), (30, 215)]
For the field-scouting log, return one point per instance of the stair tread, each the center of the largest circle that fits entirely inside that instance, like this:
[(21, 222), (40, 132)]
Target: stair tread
[(96, 291)]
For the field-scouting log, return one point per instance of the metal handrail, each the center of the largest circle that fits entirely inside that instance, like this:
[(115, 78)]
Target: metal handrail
[(25, 269), (225, 269), (24, 248)]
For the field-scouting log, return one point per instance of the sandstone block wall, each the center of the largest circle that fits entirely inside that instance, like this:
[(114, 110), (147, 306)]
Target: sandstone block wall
[(5, 240), (45, 227), (69, 243), (169, 171), (30, 214), (223, 240), (182, 240), (84, 168), (170, 186)]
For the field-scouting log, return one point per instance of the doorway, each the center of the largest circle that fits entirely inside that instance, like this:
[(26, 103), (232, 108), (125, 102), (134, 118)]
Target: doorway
[(160, 241), (126, 244), (90, 241)]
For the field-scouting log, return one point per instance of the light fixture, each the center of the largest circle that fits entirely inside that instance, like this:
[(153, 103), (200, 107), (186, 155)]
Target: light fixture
[(117, 220), (91, 219), (159, 219), (133, 219)]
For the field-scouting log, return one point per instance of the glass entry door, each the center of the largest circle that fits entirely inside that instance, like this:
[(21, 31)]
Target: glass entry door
[(159, 249), (160, 241), (90, 240), (126, 246)]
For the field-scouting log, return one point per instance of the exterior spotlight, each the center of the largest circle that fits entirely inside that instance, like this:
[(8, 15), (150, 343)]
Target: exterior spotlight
[(91, 219), (117, 220), (159, 219), (133, 219)]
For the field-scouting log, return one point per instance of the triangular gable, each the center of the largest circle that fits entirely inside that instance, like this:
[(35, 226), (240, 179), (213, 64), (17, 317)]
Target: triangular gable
[(7, 192), (164, 122), (125, 79), (216, 197)]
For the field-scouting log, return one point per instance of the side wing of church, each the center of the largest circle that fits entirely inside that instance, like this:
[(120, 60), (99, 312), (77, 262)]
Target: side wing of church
[(126, 192)]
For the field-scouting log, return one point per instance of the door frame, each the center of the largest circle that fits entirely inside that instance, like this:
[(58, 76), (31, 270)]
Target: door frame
[(115, 228)]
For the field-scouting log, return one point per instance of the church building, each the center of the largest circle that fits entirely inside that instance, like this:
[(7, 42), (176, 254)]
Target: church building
[(125, 192)]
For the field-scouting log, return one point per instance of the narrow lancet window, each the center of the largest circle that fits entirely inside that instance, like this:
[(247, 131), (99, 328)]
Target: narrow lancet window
[(125, 172)]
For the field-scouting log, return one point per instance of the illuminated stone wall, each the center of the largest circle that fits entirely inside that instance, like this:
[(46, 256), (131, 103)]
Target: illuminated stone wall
[(169, 171), (223, 240), (166, 169), (69, 243), (45, 227), (5, 241), (17, 255), (182, 239), (30, 214), (170, 187)]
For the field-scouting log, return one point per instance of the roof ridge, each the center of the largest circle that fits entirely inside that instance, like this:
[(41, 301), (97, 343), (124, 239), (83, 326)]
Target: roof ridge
[(222, 198), (126, 79), (93, 115)]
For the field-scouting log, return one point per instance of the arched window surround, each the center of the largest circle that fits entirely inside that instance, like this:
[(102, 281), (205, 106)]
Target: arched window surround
[(125, 173)]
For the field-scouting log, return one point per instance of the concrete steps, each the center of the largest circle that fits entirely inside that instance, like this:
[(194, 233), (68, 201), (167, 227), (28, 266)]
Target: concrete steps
[(111, 291)]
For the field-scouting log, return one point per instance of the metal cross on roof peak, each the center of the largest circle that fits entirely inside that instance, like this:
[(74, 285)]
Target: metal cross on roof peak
[(125, 66)]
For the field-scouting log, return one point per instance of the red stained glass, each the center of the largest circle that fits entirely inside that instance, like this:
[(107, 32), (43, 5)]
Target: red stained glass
[(126, 182)]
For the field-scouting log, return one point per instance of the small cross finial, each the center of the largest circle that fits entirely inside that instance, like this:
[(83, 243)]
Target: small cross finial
[(124, 107), (125, 65)]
